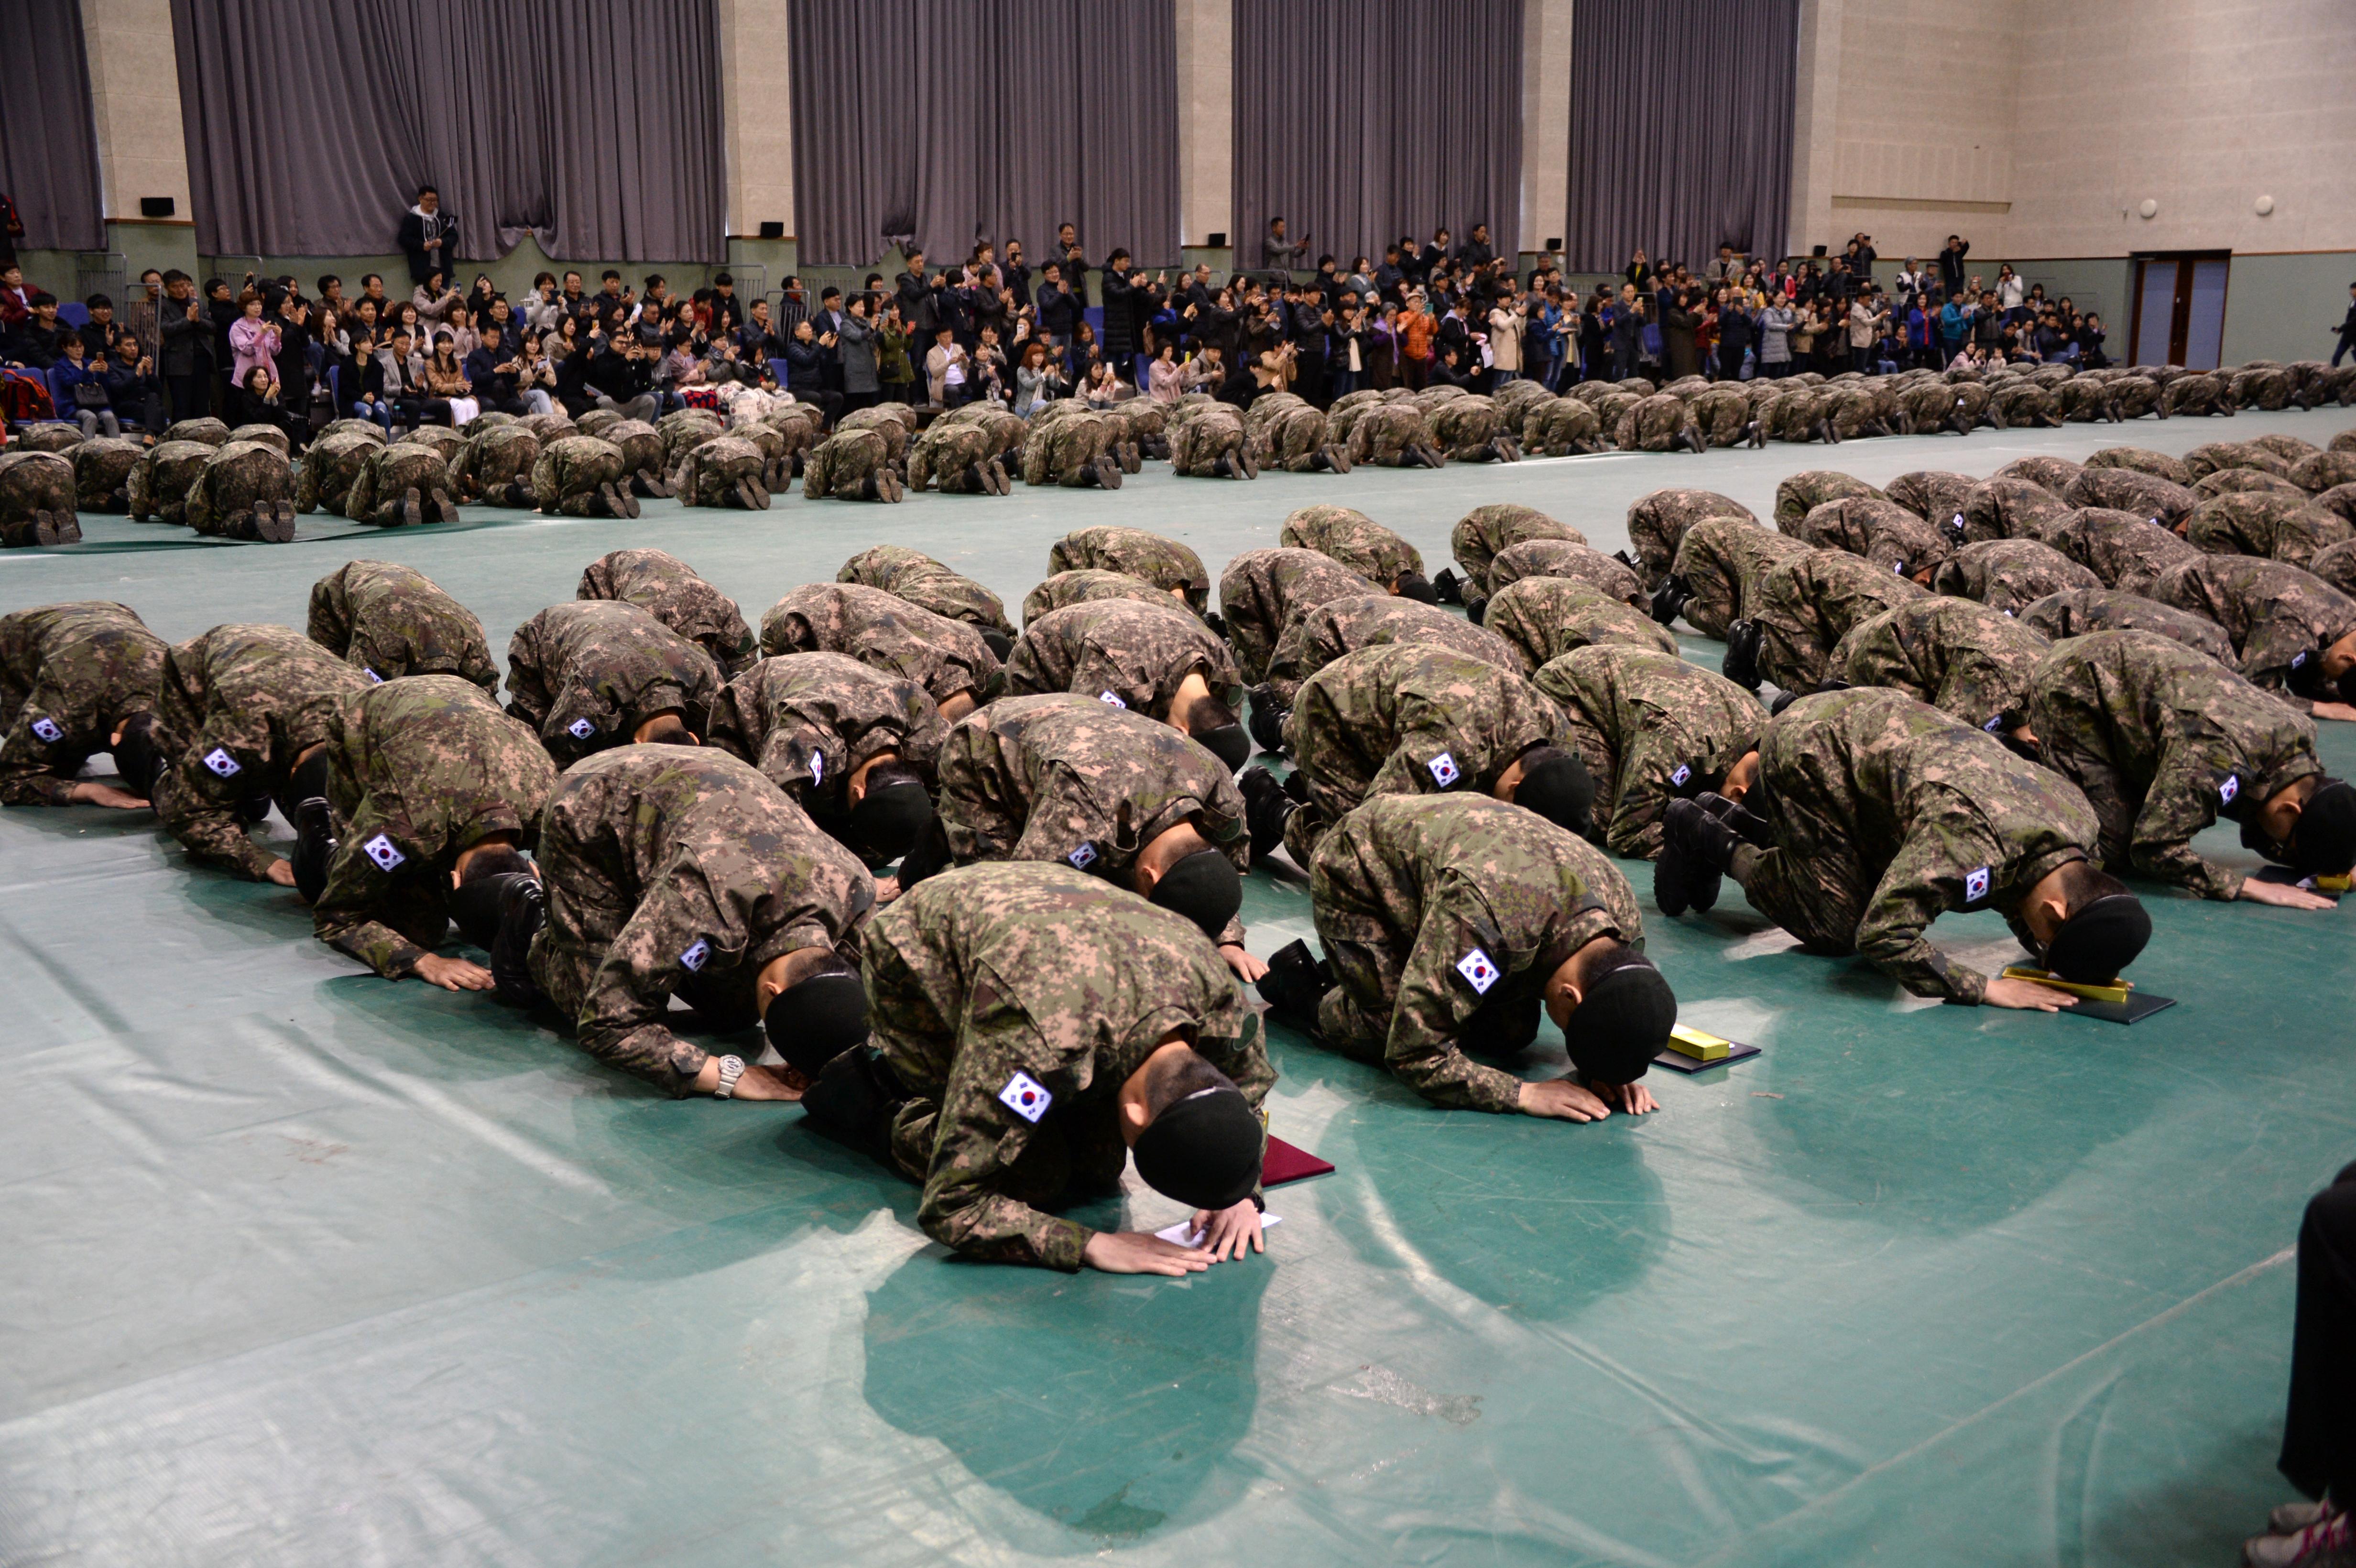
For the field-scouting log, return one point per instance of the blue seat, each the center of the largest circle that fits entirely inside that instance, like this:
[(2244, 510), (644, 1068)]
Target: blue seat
[(779, 368), (74, 314), (59, 398)]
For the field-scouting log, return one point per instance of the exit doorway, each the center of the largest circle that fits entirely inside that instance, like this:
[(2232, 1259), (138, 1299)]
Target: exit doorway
[(2180, 309)]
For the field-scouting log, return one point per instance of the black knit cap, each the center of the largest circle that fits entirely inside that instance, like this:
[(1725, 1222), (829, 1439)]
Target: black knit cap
[(1556, 784), (1205, 1150), (1621, 1022), (813, 1022), (1416, 586), (2324, 842), (1228, 743), (1205, 888), (2095, 943), (887, 820)]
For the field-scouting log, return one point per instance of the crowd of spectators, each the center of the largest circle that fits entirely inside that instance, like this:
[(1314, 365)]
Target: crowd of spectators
[(995, 326)]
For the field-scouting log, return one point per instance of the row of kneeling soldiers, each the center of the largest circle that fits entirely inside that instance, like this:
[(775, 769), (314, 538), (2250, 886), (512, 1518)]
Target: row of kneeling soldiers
[(240, 484), (673, 804)]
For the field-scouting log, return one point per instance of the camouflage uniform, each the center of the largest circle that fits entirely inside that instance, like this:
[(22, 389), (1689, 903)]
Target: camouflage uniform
[(990, 972), (440, 440), (1546, 618), (102, 468), (884, 632), (667, 589), (158, 486), (1658, 423), (851, 464), (1960, 657), (1717, 560), (585, 674), (2047, 473), (495, 465), (1608, 575), (237, 707), (2279, 527), (646, 466), (1652, 728), (1469, 429), (1803, 492), (204, 429), (1388, 433), (2012, 509), (1934, 496), (1405, 720), (68, 673), (1134, 654), (2324, 471), (682, 430), (1378, 554), (679, 870), (808, 721), (397, 482), (57, 440), (960, 456), (2157, 735), (389, 620), (1262, 590), (1885, 813), (724, 470), (246, 491), (885, 421), (2158, 464), (1315, 638), (2128, 490), (1805, 605), (2336, 566), (1482, 533), (1658, 523), (1197, 444), (1164, 563), (2227, 481), (1405, 890), (1883, 532), (419, 771), (928, 584), (1088, 584), (2192, 396), (2122, 550), (36, 500), (1070, 450), (2277, 616), (1064, 777), (329, 467), (2008, 574), (575, 477)]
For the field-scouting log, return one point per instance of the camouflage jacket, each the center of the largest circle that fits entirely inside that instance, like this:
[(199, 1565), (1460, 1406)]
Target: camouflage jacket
[(1378, 554), (983, 977), (1658, 523), (928, 584), (68, 672), (808, 721), (238, 706), (667, 589), (2084, 609), (680, 869), (1316, 638), (2010, 574), (2122, 550), (2162, 739), (1083, 585), (1546, 618), (1652, 728), (1959, 656), (1262, 590), (1479, 534), (586, 673), (419, 769), (1561, 558), (2277, 615), (1447, 882), (1411, 720), (392, 621), (884, 632), (1164, 563), (1123, 650), (1937, 815)]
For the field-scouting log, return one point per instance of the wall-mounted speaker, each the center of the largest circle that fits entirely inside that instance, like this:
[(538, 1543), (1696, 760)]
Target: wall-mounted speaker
[(1219, 240), (773, 231), (1820, 251), (156, 206), (1555, 243)]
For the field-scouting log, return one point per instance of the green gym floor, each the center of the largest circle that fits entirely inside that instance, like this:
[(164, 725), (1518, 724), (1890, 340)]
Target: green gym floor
[(302, 1268)]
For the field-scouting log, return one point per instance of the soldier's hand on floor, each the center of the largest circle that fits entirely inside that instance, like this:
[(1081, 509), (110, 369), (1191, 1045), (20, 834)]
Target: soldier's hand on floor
[(2339, 710), (1246, 968), (886, 889), (106, 794), (281, 871), (1562, 1099), (1226, 1232), (2026, 995), (1633, 1098), (766, 1084), (451, 974), (2282, 895), (1133, 1252)]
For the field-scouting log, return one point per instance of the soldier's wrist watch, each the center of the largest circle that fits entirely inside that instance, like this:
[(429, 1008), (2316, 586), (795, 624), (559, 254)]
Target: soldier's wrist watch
[(732, 1068)]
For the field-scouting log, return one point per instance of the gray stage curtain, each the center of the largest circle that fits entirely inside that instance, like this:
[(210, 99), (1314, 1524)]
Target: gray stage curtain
[(955, 120), (1359, 121), (594, 125), (1680, 129), (48, 139)]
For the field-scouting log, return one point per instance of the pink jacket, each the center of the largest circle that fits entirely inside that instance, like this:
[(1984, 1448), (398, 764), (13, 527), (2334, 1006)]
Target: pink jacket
[(252, 343)]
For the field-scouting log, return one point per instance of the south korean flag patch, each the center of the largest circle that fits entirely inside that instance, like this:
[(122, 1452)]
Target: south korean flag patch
[(380, 851), (1480, 970), (46, 730), (1444, 770), (374, 678), (1110, 700), (222, 764), (1994, 724), (1976, 884), (1082, 858), (1682, 776), (2230, 790), (580, 728), (818, 767), (1024, 1095), (696, 957)]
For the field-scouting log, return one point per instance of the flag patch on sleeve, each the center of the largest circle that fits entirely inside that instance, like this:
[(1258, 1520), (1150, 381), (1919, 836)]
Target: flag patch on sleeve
[(380, 851), (696, 957), (222, 763), (1480, 970), (1025, 1097), (1444, 770), (1975, 885)]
